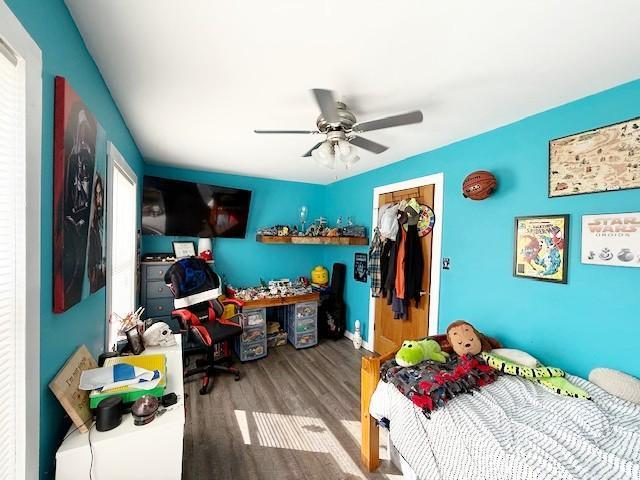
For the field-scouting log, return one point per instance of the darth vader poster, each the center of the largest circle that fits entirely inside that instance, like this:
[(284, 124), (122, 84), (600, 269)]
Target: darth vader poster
[(79, 201)]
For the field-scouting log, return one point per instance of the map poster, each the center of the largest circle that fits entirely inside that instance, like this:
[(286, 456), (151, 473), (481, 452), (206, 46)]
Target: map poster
[(600, 160), (611, 239), (541, 245)]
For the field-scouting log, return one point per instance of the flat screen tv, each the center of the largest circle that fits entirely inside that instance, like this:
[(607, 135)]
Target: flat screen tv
[(177, 208)]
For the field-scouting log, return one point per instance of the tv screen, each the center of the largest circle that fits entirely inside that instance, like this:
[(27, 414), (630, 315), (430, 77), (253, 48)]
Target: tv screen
[(176, 208)]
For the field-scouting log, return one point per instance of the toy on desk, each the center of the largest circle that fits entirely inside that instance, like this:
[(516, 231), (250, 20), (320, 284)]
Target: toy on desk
[(158, 334), (119, 375), (280, 288), (320, 276), (144, 409), (129, 320), (130, 393), (272, 289)]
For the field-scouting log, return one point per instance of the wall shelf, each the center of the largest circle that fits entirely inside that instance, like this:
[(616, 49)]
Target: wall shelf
[(313, 240)]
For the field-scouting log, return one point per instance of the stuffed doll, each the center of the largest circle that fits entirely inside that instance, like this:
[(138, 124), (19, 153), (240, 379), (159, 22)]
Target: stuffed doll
[(414, 352), (466, 340)]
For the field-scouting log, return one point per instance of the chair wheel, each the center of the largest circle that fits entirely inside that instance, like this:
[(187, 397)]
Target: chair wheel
[(203, 390), (237, 377)]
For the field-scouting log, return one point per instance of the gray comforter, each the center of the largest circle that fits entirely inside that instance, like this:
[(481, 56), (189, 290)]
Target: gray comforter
[(515, 429)]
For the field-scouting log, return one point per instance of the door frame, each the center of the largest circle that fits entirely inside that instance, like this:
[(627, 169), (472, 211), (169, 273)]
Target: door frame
[(437, 180)]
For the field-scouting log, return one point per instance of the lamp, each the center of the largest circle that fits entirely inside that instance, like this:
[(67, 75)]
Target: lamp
[(205, 248), (324, 155), (330, 150)]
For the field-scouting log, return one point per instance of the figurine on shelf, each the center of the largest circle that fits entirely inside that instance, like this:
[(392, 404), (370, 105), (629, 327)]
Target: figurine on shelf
[(283, 230)]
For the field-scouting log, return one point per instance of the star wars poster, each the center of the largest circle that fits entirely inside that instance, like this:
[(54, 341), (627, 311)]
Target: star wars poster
[(79, 200), (541, 245), (360, 269), (611, 239)]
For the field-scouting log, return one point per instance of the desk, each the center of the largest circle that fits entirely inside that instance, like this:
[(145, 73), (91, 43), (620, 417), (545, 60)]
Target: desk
[(299, 316), (277, 301), (120, 454)]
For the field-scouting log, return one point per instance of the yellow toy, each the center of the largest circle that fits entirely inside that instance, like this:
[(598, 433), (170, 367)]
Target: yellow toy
[(320, 276)]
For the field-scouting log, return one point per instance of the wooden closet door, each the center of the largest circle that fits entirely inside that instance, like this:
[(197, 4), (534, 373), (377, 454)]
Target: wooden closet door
[(388, 332)]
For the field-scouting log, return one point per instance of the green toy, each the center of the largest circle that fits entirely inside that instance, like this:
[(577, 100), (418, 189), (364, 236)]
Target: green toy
[(414, 352), (551, 377)]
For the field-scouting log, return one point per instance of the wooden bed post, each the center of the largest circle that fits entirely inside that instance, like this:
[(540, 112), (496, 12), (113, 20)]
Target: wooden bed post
[(369, 376), (370, 447)]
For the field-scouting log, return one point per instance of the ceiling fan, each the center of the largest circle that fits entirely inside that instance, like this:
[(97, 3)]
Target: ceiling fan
[(341, 129)]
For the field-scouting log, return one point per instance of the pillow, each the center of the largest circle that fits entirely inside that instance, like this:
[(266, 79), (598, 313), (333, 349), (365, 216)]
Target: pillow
[(516, 356), (617, 383)]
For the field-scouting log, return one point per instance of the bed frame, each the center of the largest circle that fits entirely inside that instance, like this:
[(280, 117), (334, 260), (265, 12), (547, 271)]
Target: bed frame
[(369, 377)]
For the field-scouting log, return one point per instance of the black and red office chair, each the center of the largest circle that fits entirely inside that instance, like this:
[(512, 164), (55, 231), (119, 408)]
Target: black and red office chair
[(200, 311)]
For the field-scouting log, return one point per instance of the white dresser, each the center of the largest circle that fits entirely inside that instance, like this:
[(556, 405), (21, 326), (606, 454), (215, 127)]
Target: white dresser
[(130, 452)]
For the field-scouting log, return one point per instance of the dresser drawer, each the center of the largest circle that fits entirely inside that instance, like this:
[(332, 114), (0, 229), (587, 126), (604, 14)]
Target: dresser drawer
[(158, 290), (156, 272), (159, 307)]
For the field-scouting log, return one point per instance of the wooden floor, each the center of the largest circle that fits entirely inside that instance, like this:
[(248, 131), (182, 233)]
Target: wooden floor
[(293, 415)]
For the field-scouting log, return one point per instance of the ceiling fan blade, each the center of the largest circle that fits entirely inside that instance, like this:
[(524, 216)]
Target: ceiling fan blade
[(393, 121), (308, 154), (327, 105), (285, 131), (368, 144)]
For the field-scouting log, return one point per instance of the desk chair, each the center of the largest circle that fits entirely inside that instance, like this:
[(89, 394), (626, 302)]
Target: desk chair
[(200, 312)]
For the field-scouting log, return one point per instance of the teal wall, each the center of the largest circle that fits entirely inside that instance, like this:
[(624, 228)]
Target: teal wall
[(576, 326), (245, 261), (64, 53), (561, 324)]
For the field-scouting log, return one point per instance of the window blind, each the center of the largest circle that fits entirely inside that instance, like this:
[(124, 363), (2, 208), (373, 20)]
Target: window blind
[(123, 248), (12, 258)]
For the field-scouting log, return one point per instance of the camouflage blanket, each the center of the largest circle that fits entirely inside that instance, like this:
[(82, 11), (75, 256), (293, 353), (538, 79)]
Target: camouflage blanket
[(430, 385)]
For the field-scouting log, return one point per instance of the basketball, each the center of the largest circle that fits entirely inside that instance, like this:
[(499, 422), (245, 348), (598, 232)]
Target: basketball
[(478, 185)]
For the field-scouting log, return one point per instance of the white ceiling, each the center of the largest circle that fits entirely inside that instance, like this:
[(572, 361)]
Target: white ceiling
[(194, 78)]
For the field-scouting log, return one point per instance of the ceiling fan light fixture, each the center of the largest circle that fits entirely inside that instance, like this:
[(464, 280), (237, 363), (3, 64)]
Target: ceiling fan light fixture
[(323, 155), (344, 147)]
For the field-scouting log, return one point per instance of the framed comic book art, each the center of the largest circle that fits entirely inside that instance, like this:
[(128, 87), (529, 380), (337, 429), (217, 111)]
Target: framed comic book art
[(611, 239), (541, 247), (599, 160), (79, 189)]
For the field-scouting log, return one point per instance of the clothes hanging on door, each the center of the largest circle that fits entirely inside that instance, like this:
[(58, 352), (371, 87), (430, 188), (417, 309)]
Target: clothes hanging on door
[(400, 264), (375, 273), (401, 260), (385, 257), (414, 265)]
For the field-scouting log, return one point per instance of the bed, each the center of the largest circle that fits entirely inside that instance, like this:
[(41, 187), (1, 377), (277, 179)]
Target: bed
[(511, 429)]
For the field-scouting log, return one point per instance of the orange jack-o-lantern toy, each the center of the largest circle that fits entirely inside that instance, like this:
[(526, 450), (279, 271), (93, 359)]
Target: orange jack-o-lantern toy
[(479, 185)]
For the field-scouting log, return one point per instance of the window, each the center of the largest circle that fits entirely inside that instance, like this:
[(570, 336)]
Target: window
[(121, 245), (20, 210)]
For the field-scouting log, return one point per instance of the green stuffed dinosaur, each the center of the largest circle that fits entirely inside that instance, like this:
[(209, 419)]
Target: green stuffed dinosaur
[(414, 352)]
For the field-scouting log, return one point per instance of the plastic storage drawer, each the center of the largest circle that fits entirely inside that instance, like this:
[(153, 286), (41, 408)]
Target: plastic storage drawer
[(305, 340), (251, 351), (306, 310), (306, 325), (254, 318), (253, 334)]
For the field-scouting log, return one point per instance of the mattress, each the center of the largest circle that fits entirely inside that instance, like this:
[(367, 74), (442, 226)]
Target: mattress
[(515, 429)]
